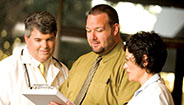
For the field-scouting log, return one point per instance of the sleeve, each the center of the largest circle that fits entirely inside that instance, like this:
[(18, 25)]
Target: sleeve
[(126, 88), (160, 94), (6, 85), (65, 70), (64, 87)]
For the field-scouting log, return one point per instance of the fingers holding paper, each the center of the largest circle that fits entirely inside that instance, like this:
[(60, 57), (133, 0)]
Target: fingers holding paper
[(54, 103)]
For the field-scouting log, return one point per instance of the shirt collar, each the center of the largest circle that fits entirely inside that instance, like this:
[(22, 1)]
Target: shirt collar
[(113, 52), (154, 78)]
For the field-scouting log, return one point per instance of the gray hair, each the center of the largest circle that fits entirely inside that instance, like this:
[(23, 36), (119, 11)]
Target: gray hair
[(43, 21)]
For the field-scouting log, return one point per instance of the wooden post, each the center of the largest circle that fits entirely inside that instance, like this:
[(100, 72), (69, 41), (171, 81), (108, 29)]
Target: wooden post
[(177, 91), (59, 32)]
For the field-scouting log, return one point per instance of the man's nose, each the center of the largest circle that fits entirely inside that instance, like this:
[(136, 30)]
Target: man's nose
[(44, 44)]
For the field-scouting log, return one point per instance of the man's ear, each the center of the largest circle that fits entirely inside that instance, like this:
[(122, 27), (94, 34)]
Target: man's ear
[(26, 38), (145, 60), (116, 28)]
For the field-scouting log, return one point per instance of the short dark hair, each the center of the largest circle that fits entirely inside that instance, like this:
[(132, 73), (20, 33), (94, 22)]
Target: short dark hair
[(43, 21), (104, 8), (151, 44)]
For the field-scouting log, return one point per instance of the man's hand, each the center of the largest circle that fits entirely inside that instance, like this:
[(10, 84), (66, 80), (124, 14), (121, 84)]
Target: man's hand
[(54, 103)]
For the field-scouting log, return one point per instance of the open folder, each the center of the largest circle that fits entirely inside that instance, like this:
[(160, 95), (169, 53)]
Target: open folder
[(43, 95)]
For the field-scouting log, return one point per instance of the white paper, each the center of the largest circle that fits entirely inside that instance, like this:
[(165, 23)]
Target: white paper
[(43, 96)]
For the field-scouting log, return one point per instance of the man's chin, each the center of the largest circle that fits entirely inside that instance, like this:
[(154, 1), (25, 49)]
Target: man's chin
[(44, 58), (98, 51)]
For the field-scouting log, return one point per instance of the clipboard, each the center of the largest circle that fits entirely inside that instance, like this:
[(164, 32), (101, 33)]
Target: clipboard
[(43, 95)]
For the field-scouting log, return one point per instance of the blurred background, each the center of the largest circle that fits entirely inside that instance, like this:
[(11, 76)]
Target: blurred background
[(165, 17)]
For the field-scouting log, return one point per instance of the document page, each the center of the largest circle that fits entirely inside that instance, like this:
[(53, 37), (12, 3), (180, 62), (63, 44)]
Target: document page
[(42, 95)]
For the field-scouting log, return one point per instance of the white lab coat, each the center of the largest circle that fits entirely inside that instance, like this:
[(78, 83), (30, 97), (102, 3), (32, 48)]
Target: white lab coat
[(14, 80), (152, 92)]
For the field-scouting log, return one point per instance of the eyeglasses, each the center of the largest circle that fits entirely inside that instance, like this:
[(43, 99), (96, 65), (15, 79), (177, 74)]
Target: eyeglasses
[(129, 59)]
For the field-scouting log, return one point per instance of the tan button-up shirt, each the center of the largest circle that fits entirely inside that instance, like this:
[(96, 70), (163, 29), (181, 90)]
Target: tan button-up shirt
[(110, 85)]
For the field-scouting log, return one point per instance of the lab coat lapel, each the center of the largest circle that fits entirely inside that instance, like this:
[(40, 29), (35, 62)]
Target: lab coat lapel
[(53, 71), (25, 56)]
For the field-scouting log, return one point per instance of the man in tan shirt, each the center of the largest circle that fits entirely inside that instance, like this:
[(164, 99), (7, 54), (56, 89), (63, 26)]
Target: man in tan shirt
[(110, 85)]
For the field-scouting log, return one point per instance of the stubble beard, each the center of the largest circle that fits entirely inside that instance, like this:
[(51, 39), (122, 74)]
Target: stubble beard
[(100, 51)]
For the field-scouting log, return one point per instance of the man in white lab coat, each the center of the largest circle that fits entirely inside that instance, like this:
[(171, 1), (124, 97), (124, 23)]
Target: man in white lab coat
[(20, 72)]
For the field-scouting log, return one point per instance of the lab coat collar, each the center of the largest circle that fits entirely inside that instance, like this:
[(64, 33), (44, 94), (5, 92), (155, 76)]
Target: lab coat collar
[(52, 68), (28, 59)]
